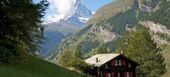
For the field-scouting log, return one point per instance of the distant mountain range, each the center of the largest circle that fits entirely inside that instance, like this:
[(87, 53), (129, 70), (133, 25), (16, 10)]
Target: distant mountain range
[(106, 27), (56, 31)]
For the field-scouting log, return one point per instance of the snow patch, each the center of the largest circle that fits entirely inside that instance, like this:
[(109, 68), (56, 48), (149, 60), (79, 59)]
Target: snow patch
[(83, 19)]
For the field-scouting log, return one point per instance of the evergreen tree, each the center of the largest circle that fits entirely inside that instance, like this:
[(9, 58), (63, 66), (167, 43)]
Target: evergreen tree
[(139, 46), (72, 58), (99, 50), (66, 58), (19, 27)]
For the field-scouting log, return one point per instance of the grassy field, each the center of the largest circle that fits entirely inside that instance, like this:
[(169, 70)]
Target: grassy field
[(34, 67)]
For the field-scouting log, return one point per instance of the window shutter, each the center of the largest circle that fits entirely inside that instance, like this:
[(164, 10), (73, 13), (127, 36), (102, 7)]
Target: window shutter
[(113, 74), (120, 62), (131, 74), (124, 74), (116, 62), (118, 74), (124, 62), (105, 74), (113, 63)]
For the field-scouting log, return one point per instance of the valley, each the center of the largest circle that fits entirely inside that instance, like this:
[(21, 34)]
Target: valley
[(123, 38)]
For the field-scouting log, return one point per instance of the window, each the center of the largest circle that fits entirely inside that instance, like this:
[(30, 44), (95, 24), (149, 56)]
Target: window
[(129, 65), (118, 74), (116, 62), (127, 74), (120, 63), (109, 75), (106, 66), (113, 74)]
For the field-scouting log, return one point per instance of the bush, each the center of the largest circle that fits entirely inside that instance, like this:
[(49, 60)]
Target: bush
[(11, 53), (81, 66)]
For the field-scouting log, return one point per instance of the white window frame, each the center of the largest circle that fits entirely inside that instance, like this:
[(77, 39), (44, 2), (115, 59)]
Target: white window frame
[(106, 66), (129, 65), (116, 62), (109, 75), (120, 63), (127, 74)]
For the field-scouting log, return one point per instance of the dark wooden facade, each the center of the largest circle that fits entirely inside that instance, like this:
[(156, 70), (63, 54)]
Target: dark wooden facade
[(120, 66)]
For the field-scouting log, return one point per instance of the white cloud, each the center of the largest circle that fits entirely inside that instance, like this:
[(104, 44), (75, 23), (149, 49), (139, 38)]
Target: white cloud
[(60, 9)]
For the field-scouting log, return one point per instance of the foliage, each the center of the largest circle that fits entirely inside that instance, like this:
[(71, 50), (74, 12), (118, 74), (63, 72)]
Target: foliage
[(19, 27), (139, 46), (72, 58), (81, 66), (123, 19), (98, 50), (115, 22), (167, 60), (15, 55), (162, 15), (164, 36), (66, 58)]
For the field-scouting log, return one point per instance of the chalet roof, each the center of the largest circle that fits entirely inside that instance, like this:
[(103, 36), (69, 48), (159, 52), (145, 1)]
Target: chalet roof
[(102, 59)]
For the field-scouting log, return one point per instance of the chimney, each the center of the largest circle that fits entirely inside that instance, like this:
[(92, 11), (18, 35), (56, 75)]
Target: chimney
[(97, 60), (122, 52)]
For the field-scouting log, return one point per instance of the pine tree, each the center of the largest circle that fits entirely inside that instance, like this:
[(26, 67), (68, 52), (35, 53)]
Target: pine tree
[(19, 26), (139, 46)]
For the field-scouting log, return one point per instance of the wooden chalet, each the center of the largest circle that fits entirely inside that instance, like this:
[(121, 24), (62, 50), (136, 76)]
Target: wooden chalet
[(112, 65)]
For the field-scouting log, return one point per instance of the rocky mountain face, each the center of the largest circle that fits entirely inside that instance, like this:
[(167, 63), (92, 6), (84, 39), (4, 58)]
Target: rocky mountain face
[(109, 23), (64, 27), (81, 15), (160, 33)]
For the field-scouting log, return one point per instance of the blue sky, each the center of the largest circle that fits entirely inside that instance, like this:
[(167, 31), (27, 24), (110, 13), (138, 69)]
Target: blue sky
[(92, 4), (60, 9), (95, 4)]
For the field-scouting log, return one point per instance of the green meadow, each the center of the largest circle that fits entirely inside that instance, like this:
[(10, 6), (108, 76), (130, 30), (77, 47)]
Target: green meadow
[(35, 67)]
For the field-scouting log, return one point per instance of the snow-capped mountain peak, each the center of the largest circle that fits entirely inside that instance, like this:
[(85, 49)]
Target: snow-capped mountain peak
[(68, 25), (81, 15)]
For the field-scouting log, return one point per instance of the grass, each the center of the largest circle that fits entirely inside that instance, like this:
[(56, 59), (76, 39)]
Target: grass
[(35, 67)]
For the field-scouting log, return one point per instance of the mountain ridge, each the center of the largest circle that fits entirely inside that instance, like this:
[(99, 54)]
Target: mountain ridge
[(64, 27), (108, 32), (93, 35)]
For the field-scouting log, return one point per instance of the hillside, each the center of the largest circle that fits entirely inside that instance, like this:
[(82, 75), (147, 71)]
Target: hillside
[(167, 59), (108, 25), (100, 31), (64, 27), (50, 42), (103, 29), (34, 67), (103, 14)]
